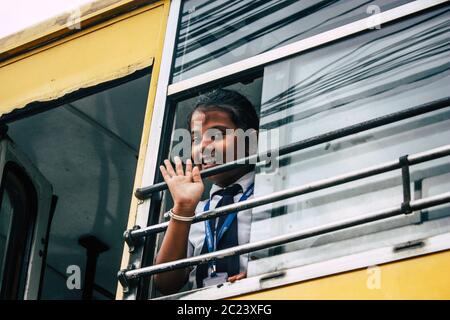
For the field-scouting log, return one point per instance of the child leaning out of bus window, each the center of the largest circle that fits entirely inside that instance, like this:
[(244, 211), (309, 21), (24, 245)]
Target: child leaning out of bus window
[(215, 111)]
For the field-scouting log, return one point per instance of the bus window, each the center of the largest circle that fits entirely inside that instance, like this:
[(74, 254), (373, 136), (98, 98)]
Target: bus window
[(375, 74), (18, 212), (251, 90), (320, 85), (217, 33)]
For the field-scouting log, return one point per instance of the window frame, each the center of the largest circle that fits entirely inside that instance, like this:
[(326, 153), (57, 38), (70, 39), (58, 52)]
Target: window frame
[(39, 244), (168, 94), (37, 238), (18, 248)]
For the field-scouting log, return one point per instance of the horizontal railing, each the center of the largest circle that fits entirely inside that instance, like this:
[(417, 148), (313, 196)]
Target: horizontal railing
[(132, 235), (406, 207), (287, 238), (146, 192)]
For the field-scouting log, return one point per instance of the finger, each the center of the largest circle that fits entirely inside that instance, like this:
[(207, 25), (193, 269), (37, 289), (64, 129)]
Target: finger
[(241, 275), (169, 168), (164, 173), (196, 175), (188, 167), (179, 166), (236, 277)]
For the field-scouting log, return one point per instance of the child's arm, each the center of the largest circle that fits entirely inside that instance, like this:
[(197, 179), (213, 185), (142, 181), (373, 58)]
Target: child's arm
[(186, 189)]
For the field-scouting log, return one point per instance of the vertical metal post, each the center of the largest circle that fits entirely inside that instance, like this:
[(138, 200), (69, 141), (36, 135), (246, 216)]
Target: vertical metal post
[(404, 163), (93, 249)]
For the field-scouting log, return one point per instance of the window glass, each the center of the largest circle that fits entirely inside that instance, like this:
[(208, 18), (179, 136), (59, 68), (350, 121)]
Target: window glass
[(399, 66), (213, 34)]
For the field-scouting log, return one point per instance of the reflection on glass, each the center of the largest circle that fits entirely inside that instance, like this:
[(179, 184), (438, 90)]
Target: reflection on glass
[(383, 71), (216, 33)]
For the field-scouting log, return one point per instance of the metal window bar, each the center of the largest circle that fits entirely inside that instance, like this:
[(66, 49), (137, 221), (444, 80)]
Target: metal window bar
[(133, 235), (126, 275), (406, 181), (146, 192), (406, 207)]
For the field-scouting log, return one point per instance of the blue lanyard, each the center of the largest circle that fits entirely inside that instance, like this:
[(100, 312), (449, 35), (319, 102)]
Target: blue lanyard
[(212, 241)]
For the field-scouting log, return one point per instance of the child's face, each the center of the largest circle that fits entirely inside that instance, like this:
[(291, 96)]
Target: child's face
[(205, 147)]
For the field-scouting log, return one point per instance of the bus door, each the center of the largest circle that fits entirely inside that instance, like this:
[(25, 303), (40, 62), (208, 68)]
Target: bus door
[(26, 203)]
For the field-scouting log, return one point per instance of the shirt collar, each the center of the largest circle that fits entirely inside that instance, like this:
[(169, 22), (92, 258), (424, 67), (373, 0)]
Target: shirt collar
[(245, 181)]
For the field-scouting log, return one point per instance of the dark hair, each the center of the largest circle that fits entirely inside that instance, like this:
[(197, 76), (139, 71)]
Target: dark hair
[(239, 108)]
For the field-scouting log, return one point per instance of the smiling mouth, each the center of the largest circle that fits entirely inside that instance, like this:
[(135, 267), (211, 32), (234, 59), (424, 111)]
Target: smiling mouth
[(208, 162)]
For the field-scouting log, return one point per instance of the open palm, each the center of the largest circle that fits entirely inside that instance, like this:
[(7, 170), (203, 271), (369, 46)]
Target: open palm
[(187, 187)]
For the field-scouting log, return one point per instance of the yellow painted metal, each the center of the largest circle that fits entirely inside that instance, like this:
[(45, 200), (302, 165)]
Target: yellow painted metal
[(65, 24), (110, 50), (422, 277), (159, 42), (114, 48)]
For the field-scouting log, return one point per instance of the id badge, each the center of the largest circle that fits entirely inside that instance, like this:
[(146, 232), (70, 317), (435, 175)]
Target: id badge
[(220, 277)]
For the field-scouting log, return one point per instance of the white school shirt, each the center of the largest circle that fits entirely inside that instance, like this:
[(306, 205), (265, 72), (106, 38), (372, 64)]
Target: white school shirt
[(197, 231)]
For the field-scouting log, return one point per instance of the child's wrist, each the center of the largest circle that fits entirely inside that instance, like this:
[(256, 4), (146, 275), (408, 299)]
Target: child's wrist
[(184, 210)]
